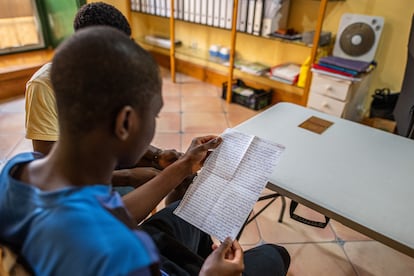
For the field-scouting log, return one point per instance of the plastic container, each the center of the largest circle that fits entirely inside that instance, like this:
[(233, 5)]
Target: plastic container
[(304, 72)]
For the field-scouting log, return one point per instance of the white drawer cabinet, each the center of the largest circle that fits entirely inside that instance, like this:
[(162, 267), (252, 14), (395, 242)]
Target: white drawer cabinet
[(338, 97)]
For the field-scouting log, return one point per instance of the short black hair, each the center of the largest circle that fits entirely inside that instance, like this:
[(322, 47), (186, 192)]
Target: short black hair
[(99, 13), (98, 71)]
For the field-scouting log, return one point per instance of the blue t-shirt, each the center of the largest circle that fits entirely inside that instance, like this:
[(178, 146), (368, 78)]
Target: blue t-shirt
[(72, 231)]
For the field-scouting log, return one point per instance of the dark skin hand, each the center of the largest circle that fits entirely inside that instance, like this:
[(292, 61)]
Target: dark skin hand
[(225, 260), (167, 157)]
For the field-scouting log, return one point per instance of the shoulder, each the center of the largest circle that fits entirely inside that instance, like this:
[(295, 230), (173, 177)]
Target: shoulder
[(40, 81), (19, 159), (94, 238), (42, 74)]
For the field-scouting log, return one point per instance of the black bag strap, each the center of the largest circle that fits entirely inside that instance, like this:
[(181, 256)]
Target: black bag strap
[(292, 208)]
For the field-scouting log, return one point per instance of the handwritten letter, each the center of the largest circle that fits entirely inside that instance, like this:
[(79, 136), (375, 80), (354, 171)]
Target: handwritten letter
[(225, 191)]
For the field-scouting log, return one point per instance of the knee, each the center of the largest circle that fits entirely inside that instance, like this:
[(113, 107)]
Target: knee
[(267, 259), (284, 254)]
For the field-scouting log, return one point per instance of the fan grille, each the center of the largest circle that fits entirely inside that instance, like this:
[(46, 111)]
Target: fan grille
[(357, 39)]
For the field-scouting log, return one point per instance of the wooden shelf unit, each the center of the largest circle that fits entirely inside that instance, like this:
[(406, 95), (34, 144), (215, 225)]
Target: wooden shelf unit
[(200, 58)]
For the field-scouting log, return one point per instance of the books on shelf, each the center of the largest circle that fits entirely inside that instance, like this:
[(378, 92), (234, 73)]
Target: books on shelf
[(255, 68), (286, 72), (335, 75), (342, 68), (160, 41), (343, 64)]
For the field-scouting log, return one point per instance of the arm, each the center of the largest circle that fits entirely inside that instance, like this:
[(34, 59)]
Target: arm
[(40, 111), (133, 177), (158, 158), (145, 198), (42, 146)]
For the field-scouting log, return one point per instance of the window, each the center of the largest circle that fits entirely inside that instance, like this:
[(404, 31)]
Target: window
[(20, 27)]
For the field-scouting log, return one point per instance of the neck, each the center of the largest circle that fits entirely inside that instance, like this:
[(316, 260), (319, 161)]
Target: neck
[(80, 163)]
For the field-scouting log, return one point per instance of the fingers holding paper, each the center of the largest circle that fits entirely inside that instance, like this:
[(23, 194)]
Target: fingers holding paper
[(199, 149), (226, 259)]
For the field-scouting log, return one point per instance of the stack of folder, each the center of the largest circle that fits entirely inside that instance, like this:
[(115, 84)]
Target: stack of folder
[(286, 73), (342, 68), (255, 68)]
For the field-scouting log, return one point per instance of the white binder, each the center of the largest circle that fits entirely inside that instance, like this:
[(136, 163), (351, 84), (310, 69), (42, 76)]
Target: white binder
[(175, 8), (133, 5), (157, 7), (210, 12), (168, 8), (138, 5), (187, 10), (238, 15), (223, 13), (229, 15), (243, 15), (151, 6), (250, 16), (216, 13), (163, 7), (203, 19), (197, 11), (192, 10), (180, 11), (144, 5), (258, 17)]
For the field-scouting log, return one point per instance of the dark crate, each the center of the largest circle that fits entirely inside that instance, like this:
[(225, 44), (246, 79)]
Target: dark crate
[(247, 96)]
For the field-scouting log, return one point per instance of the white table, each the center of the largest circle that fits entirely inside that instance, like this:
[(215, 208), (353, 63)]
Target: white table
[(360, 176)]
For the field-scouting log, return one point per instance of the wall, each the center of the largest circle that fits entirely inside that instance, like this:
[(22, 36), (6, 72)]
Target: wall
[(392, 50)]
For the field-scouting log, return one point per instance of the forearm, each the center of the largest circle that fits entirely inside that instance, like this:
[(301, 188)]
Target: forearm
[(134, 177), (145, 198)]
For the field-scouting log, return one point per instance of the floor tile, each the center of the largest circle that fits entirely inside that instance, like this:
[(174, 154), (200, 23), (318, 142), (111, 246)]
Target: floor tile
[(171, 89), (237, 114), (171, 104), (8, 144), (289, 231), (201, 104), (12, 123), (182, 79), (347, 234), (23, 145), (168, 122), (199, 89), (167, 141), (13, 105), (250, 235), (206, 122), (310, 259), (374, 258)]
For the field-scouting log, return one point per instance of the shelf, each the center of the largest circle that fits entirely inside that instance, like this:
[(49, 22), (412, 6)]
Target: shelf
[(268, 50), (200, 57), (264, 80), (151, 47)]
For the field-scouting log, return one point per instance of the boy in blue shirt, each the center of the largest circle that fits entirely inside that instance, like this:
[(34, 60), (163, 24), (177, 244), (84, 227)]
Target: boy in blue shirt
[(58, 211)]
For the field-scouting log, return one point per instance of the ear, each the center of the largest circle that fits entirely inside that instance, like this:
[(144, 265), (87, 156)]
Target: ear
[(124, 122)]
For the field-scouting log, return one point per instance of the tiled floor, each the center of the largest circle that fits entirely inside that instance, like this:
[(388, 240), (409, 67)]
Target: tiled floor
[(193, 108)]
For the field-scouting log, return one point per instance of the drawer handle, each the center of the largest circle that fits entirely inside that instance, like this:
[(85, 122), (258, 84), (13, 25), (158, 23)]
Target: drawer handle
[(325, 104), (329, 88)]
